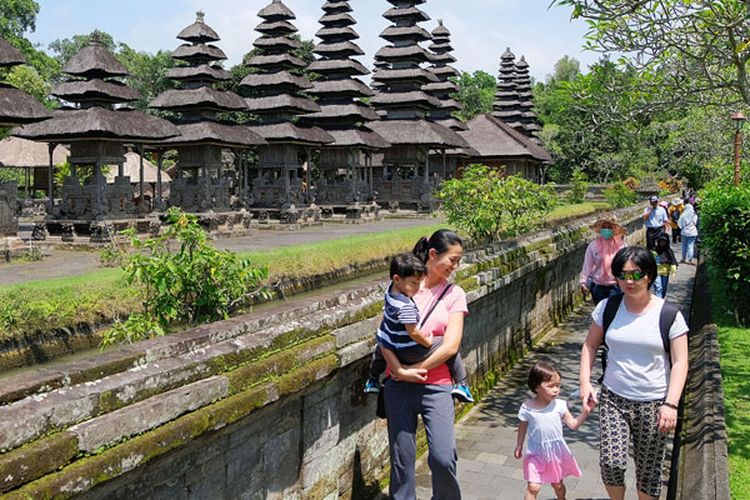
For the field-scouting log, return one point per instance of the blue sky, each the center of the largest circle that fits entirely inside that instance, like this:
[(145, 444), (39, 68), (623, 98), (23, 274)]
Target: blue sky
[(481, 29)]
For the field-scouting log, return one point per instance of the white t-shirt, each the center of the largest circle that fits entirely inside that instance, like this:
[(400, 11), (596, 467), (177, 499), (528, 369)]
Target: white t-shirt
[(637, 365)]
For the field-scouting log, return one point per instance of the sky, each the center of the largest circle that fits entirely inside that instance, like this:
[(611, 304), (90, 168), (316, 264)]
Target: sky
[(481, 29)]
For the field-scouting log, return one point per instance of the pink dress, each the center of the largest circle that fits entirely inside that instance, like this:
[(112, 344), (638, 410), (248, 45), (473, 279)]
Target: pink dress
[(548, 458)]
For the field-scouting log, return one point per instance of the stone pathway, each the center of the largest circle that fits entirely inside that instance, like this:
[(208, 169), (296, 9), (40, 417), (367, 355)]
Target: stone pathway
[(66, 263), (486, 436)]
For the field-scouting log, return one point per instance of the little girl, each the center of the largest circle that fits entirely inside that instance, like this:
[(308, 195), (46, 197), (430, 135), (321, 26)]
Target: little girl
[(548, 459)]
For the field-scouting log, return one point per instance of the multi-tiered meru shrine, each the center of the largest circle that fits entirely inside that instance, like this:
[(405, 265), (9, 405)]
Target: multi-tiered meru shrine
[(292, 147)]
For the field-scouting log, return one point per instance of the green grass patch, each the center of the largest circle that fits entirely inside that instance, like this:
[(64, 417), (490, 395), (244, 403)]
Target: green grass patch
[(734, 344), (102, 296)]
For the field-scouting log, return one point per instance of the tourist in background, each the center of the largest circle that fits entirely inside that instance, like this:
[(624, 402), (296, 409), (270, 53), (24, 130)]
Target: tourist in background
[(596, 275), (425, 388), (666, 265), (657, 221), (642, 382), (674, 212), (688, 224)]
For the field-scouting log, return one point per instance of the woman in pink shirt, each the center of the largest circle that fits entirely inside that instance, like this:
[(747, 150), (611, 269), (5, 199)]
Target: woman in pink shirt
[(596, 275), (425, 389)]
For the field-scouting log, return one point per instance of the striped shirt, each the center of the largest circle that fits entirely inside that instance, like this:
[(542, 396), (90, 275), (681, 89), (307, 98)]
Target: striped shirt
[(398, 311)]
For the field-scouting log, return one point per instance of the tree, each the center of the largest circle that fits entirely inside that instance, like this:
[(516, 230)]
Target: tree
[(148, 72), (66, 48), (566, 69), (476, 92), (16, 18), (694, 51)]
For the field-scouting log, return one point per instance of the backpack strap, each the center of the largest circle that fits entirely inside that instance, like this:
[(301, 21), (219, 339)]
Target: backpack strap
[(610, 311), (666, 319)]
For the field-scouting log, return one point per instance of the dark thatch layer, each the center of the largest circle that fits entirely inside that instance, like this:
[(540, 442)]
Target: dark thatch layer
[(342, 112), (415, 33), (19, 108), (441, 31), (187, 52), (276, 11), (276, 61), (412, 14), (352, 87), (440, 87), (412, 75), (493, 138), (85, 90), (218, 134), (200, 98), (95, 61), (340, 6), (419, 133), (453, 124), (445, 71), (341, 49), (277, 43), (289, 132), (280, 79), (199, 32), (443, 58), (281, 103), (9, 55), (339, 66), (199, 73), (99, 123), (358, 138), (337, 20), (411, 52), (401, 99), (413, 2), (276, 28), (342, 34)]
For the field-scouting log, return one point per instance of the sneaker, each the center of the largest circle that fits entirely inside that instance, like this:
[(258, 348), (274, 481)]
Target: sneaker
[(372, 386), (462, 393)]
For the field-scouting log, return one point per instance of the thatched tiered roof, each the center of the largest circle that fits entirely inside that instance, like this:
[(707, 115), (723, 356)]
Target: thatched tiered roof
[(95, 88), (529, 119), (21, 153), (402, 100), (507, 106), (16, 107), (276, 86), (494, 139), (339, 92), (196, 100), (444, 89)]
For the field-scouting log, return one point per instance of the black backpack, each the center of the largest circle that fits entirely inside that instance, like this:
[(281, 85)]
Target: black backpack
[(666, 318)]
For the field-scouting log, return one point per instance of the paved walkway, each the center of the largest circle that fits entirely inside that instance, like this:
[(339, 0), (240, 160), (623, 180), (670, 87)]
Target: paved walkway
[(66, 263), (486, 436)]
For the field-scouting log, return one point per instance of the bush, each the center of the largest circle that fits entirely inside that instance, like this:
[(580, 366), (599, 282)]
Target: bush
[(619, 195), (488, 205), (196, 284), (725, 231), (579, 187)]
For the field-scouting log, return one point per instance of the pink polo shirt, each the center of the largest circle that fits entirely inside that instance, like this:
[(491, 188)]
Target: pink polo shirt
[(454, 301)]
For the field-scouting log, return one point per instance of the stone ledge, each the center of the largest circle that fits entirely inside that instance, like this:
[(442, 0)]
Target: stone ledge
[(36, 459)]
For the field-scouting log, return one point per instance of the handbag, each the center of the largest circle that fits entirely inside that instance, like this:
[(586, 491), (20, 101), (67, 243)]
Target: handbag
[(380, 408)]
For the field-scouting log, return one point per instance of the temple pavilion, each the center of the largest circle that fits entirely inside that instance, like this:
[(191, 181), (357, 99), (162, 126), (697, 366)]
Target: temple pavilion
[(200, 183), (281, 188), (345, 184), (96, 126), (16, 108), (529, 120), (405, 179)]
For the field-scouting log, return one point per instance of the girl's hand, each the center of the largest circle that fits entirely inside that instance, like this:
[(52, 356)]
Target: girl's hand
[(588, 395), (414, 375), (518, 453), (667, 419)]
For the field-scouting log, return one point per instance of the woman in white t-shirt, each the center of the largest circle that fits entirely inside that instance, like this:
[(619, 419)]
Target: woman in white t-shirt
[(640, 390)]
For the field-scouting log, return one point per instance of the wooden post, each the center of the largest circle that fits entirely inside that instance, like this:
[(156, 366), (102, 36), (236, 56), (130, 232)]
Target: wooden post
[(158, 179), (51, 148), (98, 179), (140, 175)]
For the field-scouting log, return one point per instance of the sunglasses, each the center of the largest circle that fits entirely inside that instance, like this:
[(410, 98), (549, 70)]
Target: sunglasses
[(631, 275)]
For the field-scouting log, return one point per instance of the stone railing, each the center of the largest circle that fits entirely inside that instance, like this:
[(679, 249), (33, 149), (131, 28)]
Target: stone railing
[(269, 404)]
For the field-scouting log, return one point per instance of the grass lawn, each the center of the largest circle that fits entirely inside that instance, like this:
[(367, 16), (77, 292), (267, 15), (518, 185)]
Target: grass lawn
[(735, 372), (101, 296)]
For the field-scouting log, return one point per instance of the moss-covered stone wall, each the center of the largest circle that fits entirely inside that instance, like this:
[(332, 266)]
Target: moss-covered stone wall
[(267, 405)]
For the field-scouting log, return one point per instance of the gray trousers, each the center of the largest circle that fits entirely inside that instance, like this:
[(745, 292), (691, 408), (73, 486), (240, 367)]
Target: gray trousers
[(403, 402)]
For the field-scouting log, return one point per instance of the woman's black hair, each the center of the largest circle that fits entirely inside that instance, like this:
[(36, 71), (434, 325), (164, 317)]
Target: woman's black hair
[(441, 240), (541, 372), (639, 256)]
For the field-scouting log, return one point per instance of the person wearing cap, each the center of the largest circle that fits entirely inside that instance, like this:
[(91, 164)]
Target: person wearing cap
[(657, 221), (674, 212), (596, 275)]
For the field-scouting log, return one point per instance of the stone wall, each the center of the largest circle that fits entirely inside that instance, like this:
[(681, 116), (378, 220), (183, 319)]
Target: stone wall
[(267, 405), (8, 221)]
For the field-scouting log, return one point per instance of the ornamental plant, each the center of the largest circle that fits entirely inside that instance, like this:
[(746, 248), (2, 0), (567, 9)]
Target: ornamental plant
[(579, 186), (488, 204), (620, 195), (193, 285)]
